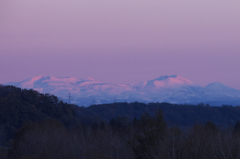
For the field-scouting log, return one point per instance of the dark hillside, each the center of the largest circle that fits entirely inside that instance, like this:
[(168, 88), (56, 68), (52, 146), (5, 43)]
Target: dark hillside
[(21, 106), (174, 114), (35, 125)]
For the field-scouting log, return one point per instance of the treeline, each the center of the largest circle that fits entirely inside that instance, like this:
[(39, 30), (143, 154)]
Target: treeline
[(146, 138), (182, 115)]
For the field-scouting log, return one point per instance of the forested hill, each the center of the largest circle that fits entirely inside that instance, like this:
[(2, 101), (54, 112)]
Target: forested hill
[(21, 106), (118, 130), (174, 114)]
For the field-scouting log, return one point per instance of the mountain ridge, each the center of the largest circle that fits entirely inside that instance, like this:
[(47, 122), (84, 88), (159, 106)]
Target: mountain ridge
[(172, 89)]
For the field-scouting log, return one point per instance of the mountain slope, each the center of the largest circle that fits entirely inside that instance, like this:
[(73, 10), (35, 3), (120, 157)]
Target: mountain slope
[(166, 82), (172, 89)]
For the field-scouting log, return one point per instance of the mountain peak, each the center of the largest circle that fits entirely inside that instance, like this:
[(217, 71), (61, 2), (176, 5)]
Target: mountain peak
[(87, 79), (165, 82), (217, 87), (164, 77), (173, 80), (40, 77), (55, 79)]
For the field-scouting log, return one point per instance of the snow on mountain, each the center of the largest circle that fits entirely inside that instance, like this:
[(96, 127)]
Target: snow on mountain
[(219, 87), (80, 89), (173, 89), (222, 93), (165, 82)]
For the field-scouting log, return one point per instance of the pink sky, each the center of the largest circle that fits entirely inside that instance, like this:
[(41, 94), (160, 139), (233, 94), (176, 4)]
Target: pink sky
[(121, 41)]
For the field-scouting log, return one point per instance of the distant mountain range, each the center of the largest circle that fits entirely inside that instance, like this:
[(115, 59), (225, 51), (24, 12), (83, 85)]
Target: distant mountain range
[(172, 89)]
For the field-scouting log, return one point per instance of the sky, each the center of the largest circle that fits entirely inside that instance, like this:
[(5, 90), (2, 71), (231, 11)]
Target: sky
[(121, 41)]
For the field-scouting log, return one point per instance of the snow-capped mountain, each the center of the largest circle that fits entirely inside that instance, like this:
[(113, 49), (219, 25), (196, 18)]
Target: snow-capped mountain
[(173, 89), (163, 82)]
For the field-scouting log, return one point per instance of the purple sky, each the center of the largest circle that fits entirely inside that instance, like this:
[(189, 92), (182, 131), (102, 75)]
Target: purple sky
[(121, 41)]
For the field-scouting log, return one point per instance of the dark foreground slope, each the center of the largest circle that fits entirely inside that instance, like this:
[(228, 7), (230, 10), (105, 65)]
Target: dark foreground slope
[(21, 106)]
